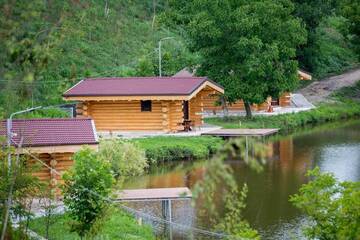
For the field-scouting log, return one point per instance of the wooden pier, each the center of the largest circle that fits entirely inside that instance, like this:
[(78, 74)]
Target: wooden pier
[(151, 194), (165, 195), (242, 132)]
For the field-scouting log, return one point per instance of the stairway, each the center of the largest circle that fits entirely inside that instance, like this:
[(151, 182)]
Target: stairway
[(298, 100)]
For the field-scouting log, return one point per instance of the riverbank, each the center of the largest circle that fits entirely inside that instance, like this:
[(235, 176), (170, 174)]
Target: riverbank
[(328, 112), (162, 149)]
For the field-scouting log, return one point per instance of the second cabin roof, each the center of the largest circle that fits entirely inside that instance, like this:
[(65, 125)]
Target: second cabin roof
[(140, 86)]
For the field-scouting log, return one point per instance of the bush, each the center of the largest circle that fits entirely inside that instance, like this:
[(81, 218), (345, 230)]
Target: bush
[(332, 53), (87, 184), (160, 149), (333, 207), (126, 158)]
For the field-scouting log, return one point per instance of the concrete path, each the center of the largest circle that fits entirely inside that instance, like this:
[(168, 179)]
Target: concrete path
[(197, 131), (319, 91)]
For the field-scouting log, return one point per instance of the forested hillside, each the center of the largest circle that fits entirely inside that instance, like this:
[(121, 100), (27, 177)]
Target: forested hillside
[(47, 46)]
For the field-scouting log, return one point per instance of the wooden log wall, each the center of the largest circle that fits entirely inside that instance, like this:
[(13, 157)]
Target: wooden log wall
[(196, 109), (126, 115), (210, 104), (61, 162), (176, 116), (165, 116)]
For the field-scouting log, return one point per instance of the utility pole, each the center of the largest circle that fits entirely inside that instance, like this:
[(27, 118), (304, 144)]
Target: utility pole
[(9, 137), (163, 39)]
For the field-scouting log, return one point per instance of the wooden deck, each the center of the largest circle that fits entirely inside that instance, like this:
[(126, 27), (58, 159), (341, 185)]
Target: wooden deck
[(240, 132), (154, 194)]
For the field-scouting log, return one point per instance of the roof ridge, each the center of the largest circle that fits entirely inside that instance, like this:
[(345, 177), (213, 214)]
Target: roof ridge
[(48, 119), (118, 78)]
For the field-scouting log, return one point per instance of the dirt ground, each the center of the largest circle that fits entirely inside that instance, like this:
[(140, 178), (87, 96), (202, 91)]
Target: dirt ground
[(319, 91)]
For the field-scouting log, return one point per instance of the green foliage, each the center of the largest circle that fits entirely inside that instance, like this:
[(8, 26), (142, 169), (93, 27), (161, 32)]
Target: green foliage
[(351, 10), (247, 46), (328, 49), (86, 186), (126, 158), (333, 207), (47, 46), (160, 149), (24, 188), (114, 224), (219, 183), (333, 51), (288, 122), (47, 113)]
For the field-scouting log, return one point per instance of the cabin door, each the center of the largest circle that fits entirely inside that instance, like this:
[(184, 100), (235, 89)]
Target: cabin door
[(186, 110)]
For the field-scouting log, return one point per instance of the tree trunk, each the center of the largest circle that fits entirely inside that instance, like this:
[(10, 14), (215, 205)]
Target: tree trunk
[(248, 109), (225, 107)]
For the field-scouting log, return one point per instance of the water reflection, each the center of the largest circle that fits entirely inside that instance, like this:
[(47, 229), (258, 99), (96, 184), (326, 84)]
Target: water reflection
[(335, 150)]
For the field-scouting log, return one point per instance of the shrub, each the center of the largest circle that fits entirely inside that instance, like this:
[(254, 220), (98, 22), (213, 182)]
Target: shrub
[(87, 184), (126, 158), (159, 149), (332, 206)]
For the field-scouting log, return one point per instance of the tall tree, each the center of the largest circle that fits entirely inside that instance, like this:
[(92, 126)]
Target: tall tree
[(247, 46)]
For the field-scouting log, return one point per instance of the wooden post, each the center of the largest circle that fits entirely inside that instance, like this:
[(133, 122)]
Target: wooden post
[(167, 215)]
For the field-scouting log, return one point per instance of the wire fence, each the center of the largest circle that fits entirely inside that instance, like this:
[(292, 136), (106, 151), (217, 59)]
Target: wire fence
[(164, 228)]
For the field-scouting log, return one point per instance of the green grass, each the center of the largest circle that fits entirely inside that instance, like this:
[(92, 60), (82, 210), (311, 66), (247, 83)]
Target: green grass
[(159, 149), (289, 122), (117, 225)]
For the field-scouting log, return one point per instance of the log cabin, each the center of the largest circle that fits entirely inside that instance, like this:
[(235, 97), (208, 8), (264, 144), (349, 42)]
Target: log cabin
[(150, 104), (53, 141), (211, 99)]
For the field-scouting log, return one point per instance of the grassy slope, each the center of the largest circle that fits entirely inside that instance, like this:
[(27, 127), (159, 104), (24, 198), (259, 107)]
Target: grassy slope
[(160, 149), (87, 42), (117, 226)]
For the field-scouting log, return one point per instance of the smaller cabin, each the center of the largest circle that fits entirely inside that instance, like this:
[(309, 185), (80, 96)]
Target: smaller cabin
[(151, 104), (53, 141), (212, 105)]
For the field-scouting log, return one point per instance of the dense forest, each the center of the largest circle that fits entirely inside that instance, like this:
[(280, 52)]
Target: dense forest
[(47, 46)]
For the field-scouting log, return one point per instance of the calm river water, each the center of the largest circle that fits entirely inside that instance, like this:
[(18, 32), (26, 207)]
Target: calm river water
[(334, 148)]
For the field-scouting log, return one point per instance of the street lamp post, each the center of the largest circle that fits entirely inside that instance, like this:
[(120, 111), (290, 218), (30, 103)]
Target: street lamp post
[(9, 136), (163, 39)]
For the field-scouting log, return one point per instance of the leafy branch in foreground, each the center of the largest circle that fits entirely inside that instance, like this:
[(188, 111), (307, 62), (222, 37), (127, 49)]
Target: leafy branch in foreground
[(219, 178), (333, 207)]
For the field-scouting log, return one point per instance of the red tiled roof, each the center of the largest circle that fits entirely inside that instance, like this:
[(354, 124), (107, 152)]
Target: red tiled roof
[(136, 86), (52, 132)]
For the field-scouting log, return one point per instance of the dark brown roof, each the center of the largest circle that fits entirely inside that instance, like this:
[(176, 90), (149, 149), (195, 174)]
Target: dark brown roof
[(52, 132), (136, 86)]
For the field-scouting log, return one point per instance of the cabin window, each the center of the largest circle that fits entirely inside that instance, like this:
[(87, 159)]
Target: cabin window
[(146, 106)]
